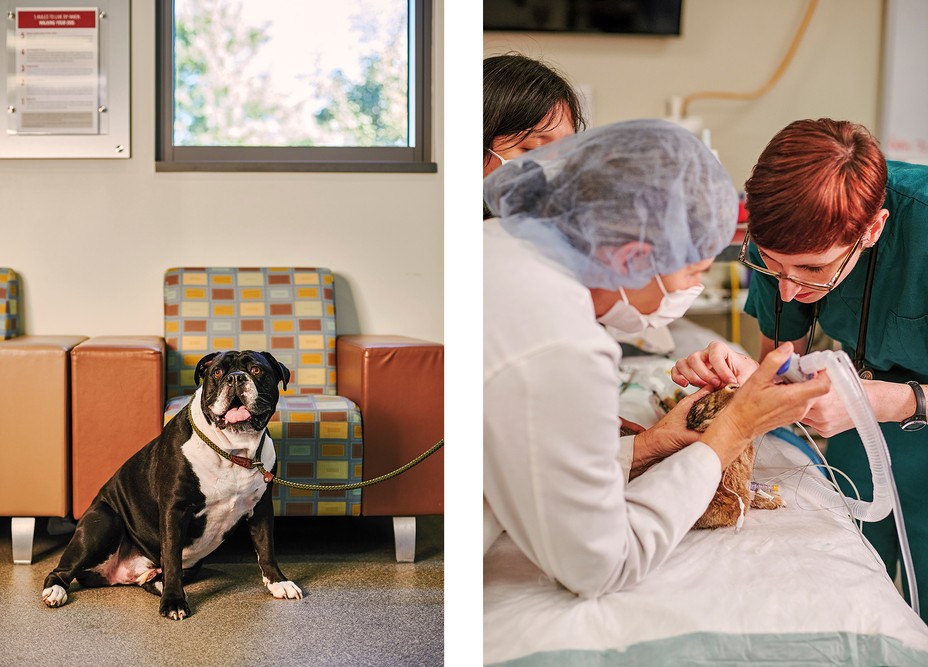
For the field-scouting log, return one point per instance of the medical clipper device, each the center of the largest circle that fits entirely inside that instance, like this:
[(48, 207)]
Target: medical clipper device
[(846, 383)]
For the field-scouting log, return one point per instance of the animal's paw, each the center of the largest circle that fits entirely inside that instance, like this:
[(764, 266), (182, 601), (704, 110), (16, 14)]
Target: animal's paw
[(54, 596), (174, 607), (154, 587), (284, 590), (770, 502)]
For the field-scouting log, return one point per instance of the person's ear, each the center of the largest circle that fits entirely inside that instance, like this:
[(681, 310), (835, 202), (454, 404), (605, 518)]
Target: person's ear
[(875, 228), (631, 257)]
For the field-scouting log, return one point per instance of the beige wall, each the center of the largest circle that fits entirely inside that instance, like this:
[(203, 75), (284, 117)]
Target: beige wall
[(729, 45), (91, 239)]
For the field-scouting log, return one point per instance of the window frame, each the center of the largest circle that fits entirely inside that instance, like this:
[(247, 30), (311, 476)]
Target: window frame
[(417, 158)]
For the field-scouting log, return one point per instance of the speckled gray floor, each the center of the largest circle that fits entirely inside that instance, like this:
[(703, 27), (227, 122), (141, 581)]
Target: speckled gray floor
[(360, 607)]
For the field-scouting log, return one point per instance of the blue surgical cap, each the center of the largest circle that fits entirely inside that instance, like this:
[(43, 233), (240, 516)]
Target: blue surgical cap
[(648, 183)]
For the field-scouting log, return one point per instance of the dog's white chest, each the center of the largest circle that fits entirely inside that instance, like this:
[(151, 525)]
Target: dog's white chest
[(231, 492)]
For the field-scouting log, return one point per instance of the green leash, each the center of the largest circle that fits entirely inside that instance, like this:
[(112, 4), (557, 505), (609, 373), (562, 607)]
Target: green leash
[(269, 477)]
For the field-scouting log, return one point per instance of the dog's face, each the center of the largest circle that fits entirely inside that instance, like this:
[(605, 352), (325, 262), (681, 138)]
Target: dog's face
[(240, 388)]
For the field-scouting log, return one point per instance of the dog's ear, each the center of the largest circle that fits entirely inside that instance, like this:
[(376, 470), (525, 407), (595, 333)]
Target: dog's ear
[(281, 371), (202, 365)]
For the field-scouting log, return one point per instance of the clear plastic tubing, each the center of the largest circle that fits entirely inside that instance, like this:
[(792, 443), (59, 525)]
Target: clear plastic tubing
[(885, 495)]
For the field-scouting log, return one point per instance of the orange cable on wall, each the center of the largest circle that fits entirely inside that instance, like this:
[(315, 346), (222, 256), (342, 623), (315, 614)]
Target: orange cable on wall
[(713, 94)]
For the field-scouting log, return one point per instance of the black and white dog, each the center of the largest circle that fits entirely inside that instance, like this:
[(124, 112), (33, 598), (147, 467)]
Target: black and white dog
[(176, 499)]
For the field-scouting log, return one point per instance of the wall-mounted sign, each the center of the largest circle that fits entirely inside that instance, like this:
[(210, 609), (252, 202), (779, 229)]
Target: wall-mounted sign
[(67, 79), (57, 71)]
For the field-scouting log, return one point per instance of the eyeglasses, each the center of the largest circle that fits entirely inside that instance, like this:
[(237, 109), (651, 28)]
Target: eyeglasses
[(825, 287)]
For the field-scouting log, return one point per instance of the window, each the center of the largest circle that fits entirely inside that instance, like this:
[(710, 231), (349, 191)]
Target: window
[(294, 85)]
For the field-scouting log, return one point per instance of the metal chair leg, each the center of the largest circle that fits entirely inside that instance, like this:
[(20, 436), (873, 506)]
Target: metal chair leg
[(23, 530), (404, 531)]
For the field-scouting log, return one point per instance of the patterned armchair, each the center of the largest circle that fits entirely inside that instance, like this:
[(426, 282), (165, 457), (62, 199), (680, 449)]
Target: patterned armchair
[(319, 431), (291, 314), (9, 304)]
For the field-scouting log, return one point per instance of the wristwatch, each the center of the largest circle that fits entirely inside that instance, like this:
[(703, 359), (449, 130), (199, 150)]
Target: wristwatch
[(918, 420)]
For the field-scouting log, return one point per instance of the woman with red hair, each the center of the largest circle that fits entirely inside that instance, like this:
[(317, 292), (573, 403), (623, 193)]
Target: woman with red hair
[(838, 235)]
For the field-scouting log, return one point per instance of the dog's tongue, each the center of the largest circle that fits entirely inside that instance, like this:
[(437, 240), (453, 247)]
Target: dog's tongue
[(236, 415)]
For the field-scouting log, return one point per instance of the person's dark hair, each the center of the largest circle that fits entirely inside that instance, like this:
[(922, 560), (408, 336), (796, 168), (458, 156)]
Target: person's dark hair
[(817, 184), (518, 92)]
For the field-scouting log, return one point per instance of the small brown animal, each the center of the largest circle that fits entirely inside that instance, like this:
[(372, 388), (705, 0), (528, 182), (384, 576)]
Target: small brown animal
[(724, 508)]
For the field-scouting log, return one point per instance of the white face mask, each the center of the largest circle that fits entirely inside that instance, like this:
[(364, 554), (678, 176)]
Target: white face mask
[(627, 319), (499, 157)]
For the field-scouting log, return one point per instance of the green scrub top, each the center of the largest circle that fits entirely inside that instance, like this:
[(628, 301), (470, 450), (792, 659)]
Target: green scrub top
[(897, 331), (896, 349)]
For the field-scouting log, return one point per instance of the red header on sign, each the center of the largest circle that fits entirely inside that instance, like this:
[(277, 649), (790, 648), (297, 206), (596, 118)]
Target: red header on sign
[(57, 19)]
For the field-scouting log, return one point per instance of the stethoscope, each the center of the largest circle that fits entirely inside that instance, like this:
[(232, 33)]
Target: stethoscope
[(860, 353)]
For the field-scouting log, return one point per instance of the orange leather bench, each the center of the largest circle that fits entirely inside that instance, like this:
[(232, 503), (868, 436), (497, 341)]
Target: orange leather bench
[(117, 398), (36, 437), (398, 383)]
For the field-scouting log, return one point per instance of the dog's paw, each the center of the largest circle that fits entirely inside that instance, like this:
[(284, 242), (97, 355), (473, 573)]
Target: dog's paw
[(174, 607), (154, 587), (284, 590), (54, 596)]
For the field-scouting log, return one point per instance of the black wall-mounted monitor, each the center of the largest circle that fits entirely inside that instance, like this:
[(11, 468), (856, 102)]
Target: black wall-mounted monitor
[(622, 17)]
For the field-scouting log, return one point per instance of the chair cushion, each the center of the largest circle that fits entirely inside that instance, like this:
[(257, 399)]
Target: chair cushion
[(9, 304), (36, 432), (102, 441), (318, 440), (289, 312)]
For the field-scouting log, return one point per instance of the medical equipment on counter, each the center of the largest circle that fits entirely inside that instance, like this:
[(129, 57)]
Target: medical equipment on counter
[(844, 379)]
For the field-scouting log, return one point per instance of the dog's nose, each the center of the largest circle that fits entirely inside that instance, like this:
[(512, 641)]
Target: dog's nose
[(236, 377)]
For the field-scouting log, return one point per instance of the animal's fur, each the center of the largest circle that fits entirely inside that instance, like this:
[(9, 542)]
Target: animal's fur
[(724, 509)]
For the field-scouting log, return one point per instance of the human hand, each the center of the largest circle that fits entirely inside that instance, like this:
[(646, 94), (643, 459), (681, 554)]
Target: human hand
[(714, 367), (829, 416), (666, 437), (628, 427), (761, 405)]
